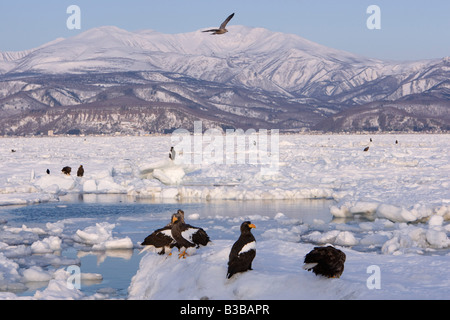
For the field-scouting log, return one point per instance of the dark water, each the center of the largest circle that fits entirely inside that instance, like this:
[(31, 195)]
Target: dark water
[(136, 218)]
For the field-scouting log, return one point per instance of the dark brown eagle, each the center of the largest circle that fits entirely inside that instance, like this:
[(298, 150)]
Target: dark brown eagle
[(66, 170), (80, 171), (325, 261)]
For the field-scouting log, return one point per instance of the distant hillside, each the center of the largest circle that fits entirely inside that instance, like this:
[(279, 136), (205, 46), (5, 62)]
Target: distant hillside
[(108, 80)]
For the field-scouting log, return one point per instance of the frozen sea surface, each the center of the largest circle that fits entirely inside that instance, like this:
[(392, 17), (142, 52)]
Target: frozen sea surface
[(388, 207), (135, 218)]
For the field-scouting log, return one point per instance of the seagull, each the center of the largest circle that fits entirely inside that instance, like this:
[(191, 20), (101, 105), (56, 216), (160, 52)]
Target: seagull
[(222, 27)]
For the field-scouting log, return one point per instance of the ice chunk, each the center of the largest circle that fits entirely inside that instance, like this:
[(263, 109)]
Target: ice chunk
[(346, 238), (9, 272), (97, 234), (58, 289), (54, 183), (36, 274), (165, 171), (170, 193), (47, 245), (114, 244), (341, 212), (394, 213), (90, 186), (437, 238), (194, 216), (101, 238), (169, 176), (436, 220)]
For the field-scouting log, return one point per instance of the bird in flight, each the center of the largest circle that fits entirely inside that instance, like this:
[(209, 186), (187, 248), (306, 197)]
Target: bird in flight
[(222, 27)]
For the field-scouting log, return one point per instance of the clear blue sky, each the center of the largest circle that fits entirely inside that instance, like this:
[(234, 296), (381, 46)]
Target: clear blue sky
[(410, 30)]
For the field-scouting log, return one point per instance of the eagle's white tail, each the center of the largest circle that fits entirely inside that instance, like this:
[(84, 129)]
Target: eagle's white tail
[(308, 266), (146, 248)]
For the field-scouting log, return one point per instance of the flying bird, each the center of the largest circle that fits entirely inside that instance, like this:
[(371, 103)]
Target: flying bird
[(325, 261), (243, 251), (187, 236), (222, 29)]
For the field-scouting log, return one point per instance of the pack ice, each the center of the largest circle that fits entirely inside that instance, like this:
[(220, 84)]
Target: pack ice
[(396, 197)]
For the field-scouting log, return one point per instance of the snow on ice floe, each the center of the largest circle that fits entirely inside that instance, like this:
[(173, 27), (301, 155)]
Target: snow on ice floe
[(100, 237), (277, 275), (404, 183)]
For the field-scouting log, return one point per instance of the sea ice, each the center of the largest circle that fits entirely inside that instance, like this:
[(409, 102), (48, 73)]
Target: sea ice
[(397, 195)]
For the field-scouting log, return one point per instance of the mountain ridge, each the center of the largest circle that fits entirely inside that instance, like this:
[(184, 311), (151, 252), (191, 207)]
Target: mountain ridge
[(287, 80)]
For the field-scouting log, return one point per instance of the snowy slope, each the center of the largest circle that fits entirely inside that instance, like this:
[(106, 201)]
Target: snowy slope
[(272, 59)]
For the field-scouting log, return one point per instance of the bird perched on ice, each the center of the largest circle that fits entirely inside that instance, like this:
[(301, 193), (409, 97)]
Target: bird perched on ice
[(187, 236), (160, 239), (66, 170), (243, 251), (222, 29), (80, 171), (172, 154), (325, 261)]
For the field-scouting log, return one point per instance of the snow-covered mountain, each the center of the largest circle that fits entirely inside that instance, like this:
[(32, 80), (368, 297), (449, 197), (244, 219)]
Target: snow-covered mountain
[(248, 77)]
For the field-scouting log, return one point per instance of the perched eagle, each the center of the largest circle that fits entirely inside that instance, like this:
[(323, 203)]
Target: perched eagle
[(243, 251), (160, 239), (66, 170), (187, 236), (80, 171), (325, 261)]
